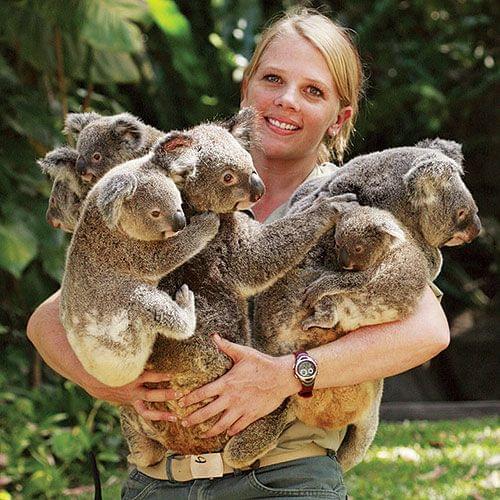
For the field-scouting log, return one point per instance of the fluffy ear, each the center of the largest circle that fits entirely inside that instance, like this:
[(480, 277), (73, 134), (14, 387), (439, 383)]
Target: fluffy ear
[(175, 154), (113, 192), (76, 122), (130, 130), (58, 159), (243, 126), (451, 149), (391, 228), (427, 176)]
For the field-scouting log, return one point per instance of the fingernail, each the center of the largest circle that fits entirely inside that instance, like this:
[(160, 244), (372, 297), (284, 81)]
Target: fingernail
[(184, 423), (172, 418)]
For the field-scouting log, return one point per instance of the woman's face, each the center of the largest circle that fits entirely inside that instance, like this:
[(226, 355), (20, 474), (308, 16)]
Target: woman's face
[(294, 92)]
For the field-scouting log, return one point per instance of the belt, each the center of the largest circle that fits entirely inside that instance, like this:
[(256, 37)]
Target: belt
[(209, 465)]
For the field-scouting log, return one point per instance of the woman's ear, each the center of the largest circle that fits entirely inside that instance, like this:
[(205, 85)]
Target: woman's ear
[(343, 115)]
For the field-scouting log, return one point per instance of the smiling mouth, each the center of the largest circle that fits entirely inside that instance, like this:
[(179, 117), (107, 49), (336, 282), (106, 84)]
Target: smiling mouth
[(282, 125)]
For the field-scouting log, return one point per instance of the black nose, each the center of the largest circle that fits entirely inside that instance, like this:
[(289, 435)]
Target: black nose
[(81, 166), (179, 221), (343, 258), (257, 188)]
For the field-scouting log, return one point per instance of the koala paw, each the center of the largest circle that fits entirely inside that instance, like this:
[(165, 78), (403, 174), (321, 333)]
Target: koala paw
[(319, 322), (344, 198), (185, 298), (312, 295), (325, 314), (207, 224)]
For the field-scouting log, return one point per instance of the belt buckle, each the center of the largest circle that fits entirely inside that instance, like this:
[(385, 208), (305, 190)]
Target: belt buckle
[(206, 466)]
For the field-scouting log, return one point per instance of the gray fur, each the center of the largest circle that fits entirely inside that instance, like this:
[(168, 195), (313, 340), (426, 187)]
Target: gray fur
[(243, 259), (423, 189), (68, 189), (125, 242)]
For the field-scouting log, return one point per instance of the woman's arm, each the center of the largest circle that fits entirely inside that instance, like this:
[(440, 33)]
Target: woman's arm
[(258, 383), (49, 338)]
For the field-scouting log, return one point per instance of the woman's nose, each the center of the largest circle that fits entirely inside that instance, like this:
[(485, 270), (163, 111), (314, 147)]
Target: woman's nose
[(288, 98)]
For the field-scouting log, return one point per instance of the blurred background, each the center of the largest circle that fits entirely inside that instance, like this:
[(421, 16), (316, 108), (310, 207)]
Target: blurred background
[(432, 70)]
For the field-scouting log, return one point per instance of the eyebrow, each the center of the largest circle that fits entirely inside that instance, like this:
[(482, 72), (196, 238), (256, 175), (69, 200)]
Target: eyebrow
[(312, 81)]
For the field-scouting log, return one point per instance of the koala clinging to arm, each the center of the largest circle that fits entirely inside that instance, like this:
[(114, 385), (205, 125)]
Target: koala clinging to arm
[(244, 258), (68, 188), (132, 232), (106, 141), (423, 189)]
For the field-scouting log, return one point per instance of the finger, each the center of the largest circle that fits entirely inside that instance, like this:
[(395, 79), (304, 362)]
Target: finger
[(225, 422), (159, 395), (148, 414), (240, 424), (207, 391), (152, 376), (234, 351), (204, 413)]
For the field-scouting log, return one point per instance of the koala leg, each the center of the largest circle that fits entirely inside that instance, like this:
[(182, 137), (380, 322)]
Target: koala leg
[(144, 451), (258, 438), (325, 314), (360, 434), (176, 320)]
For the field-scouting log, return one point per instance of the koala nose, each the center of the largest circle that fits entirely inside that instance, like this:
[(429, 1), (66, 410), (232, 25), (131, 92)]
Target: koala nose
[(344, 260), (179, 221), (53, 221), (257, 188), (474, 228), (81, 166)]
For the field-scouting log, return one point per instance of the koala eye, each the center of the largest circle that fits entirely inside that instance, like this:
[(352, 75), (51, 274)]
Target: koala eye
[(155, 213), (228, 178), (358, 249), (96, 157), (461, 214)]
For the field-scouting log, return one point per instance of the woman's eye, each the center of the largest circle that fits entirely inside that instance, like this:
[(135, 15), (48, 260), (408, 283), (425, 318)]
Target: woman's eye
[(315, 91), (96, 156), (272, 78)]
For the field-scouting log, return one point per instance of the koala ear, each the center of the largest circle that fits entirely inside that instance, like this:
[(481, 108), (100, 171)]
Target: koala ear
[(130, 130), (175, 154), (57, 160), (113, 192), (76, 122), (451, 149), (392, 229), (243, 126), (426, 178)]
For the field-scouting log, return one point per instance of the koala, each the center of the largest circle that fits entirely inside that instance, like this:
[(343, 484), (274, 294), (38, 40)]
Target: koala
[(368, 270), (242, 260), (382, 260), (106, 141), (132, 232), (68, 189), (421, 186)]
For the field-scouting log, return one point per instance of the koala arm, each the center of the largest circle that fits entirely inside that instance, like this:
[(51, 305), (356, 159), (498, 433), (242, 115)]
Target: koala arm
[(256, 383), (267, 252), (331, 283), (48, 336)]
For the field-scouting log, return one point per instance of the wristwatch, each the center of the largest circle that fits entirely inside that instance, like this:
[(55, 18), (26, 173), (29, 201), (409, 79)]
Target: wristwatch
[(305, 369)]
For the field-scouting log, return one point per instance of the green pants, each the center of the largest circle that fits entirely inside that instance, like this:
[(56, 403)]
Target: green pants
[(313, 477)]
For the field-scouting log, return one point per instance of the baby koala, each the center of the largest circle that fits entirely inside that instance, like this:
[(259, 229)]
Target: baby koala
[(106, 141), (132, 232), (68, 188)]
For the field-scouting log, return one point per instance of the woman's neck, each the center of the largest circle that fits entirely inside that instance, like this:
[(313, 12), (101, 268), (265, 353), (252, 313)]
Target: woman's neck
[(281, 178)]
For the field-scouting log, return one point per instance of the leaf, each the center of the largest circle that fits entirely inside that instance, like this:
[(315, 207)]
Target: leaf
[(112, 67), (107, 27), (18, 247), (68, 446), (434, 474)]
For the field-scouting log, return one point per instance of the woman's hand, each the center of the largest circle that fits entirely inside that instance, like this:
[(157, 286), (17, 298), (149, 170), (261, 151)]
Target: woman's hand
[(255, 386), (136, 394)]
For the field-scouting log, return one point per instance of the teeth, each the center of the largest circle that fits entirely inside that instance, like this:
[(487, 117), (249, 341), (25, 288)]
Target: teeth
[(284, 126)]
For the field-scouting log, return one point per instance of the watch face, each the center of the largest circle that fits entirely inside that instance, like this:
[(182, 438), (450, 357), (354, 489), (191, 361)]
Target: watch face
[(306, 369)]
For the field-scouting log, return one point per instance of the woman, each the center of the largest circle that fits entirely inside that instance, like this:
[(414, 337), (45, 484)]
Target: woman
[(304, 79)]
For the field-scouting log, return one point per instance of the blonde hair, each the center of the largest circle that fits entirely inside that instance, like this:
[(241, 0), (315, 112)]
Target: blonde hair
[(341, 56)]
